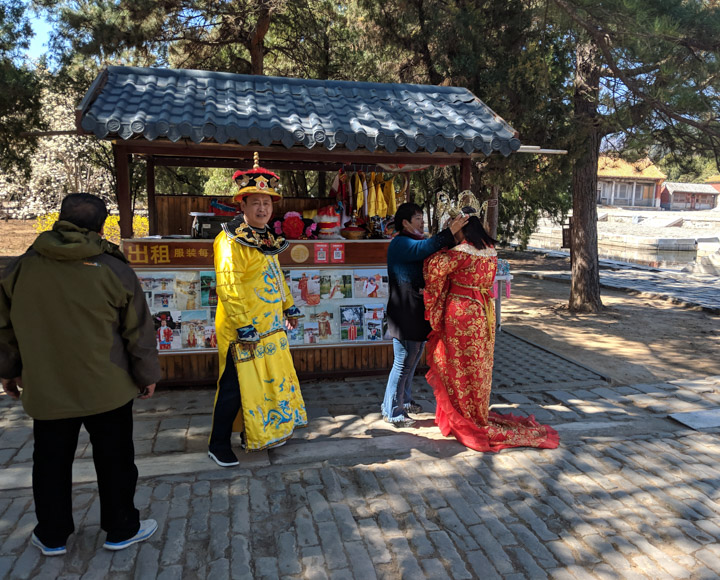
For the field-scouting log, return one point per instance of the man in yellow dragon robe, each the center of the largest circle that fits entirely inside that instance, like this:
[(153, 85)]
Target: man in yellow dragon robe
[(258, 392)]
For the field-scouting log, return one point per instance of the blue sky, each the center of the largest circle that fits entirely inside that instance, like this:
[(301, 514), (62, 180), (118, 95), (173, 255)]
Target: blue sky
[(38, 43)]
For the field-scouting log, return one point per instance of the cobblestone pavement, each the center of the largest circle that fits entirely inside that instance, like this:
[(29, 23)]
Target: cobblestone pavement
[(629, 494), (685, 289)]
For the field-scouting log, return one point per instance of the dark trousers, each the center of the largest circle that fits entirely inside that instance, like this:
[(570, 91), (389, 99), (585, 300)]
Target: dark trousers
[(226, 408), (114, 457)]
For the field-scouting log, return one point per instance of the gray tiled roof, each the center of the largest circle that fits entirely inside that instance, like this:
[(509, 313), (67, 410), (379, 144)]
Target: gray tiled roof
[(678, 187), (154, 103)]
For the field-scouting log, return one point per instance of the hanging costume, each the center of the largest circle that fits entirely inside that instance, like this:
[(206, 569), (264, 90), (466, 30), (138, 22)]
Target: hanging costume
[(460, 350)]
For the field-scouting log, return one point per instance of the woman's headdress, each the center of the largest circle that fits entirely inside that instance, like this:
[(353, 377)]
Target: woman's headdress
[(449, 208)]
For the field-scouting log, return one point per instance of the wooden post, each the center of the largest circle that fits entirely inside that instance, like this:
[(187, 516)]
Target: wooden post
[(122, 175), (465, 166), (152, 212)]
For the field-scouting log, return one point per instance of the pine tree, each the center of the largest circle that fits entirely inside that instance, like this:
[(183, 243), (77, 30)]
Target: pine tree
[(20, 95)]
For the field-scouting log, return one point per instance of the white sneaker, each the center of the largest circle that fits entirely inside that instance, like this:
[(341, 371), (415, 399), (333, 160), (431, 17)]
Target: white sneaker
[(147, 529), (224, 458), (35, 541)]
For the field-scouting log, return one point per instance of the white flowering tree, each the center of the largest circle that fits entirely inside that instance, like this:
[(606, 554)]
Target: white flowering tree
[(63, 163)]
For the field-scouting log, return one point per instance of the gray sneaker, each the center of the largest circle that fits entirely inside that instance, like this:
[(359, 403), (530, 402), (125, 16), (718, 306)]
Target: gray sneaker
[(59, 551), (147, 529)]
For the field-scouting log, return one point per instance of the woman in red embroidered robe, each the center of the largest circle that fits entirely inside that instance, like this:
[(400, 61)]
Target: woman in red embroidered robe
[(460, 309)]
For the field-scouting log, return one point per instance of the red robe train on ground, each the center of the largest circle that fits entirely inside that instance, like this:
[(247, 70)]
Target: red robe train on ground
[(460, 349)]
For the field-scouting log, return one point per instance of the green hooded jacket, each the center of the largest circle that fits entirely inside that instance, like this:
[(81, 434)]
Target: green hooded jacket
[(75, 325)]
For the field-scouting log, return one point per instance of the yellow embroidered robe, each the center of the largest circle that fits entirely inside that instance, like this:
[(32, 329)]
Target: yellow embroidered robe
[(252, 292)]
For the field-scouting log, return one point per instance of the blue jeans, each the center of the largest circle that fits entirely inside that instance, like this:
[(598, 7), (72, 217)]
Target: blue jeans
[(397, 393)]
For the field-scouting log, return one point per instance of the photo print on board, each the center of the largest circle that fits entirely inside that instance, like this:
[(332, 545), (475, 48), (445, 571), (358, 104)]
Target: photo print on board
[(310, 333), (326, 319), (371, 283), (158, 288), (305, 287), (187, 290), (193, 328), (167, 329), (374, 318), (297, 335), (336, 284), (351, 323), (210, 336), (208, 289)]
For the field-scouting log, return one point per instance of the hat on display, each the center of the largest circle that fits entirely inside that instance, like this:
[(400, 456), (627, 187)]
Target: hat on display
[(256, 180)]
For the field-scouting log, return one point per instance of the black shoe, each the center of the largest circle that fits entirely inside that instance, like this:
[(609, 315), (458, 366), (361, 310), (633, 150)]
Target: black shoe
[(413, 407), (224, 458)]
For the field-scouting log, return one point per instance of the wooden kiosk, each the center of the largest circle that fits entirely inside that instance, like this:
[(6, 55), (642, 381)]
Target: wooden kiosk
[(209, 119)]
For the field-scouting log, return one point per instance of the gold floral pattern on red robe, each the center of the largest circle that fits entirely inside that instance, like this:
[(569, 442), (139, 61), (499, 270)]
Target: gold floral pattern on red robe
[(459, 306)]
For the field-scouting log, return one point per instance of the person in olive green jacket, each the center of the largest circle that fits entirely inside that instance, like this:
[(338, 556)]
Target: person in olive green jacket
[(77, 345)]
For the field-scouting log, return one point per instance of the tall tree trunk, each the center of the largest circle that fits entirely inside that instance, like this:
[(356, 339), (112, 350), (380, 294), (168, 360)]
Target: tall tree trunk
[(585, 284), (301, 183), (256, 44), (493, 211)]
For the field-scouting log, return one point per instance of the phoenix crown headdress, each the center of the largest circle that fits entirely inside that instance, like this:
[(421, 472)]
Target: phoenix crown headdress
[(453, 208)]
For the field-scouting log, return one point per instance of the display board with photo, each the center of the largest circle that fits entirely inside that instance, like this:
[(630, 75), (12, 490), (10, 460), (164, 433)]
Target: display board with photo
[(339, 306)]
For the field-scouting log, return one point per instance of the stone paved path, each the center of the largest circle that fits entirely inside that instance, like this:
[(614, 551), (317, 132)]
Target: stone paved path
[(629, 494)]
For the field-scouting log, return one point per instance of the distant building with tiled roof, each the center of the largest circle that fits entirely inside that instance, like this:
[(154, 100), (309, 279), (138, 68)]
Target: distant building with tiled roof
[(622, 183), (676, 195)]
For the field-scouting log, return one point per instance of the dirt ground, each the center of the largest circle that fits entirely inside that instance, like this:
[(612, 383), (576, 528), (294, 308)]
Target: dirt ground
[(16, 236), (634, 340)]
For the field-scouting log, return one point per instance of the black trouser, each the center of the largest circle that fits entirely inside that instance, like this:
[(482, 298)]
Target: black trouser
[(226, 408), (114, 457)]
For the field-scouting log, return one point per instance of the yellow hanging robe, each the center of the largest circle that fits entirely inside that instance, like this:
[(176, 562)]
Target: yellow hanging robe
[(359, 192), (380, 203), (390, 196), (372, 198), (365, 194)]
